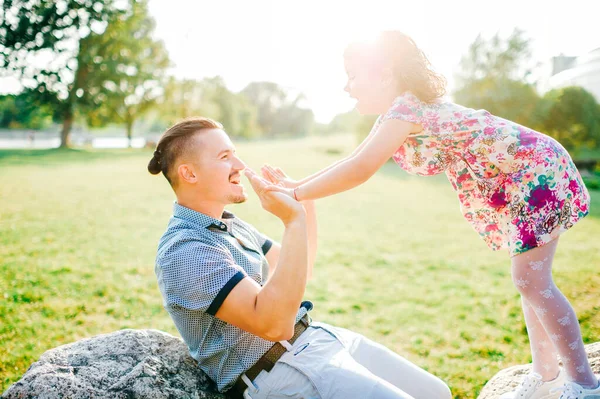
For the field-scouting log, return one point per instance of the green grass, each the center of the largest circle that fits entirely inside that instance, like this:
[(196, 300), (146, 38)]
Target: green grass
[(396, 262)]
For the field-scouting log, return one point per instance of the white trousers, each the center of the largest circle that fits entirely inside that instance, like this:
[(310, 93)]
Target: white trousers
[(329, 362)]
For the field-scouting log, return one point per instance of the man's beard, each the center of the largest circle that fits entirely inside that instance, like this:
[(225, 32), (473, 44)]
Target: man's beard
[(237, 199)]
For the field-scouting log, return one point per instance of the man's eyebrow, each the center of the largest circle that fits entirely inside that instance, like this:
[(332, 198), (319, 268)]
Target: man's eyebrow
[(226, 150)]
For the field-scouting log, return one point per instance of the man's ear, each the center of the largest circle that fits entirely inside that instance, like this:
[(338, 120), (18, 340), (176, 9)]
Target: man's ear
[(187, 173)]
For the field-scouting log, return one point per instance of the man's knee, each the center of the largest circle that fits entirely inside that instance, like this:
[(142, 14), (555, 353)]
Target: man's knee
[(440, 390)]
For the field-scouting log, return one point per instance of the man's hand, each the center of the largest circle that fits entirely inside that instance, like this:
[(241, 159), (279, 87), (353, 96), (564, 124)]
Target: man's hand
[(280, 204), (278, 178)]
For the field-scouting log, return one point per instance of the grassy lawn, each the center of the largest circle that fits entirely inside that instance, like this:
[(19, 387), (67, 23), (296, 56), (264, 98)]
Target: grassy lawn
[(79, 229)]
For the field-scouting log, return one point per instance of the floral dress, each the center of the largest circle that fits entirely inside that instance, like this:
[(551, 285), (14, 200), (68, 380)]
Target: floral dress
[(518, 188)]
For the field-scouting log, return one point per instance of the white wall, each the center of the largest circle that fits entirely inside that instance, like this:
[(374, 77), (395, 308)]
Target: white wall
[(585, 73)]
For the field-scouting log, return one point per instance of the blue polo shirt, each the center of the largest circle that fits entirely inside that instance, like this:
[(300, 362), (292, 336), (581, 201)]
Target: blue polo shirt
[(199, 261)]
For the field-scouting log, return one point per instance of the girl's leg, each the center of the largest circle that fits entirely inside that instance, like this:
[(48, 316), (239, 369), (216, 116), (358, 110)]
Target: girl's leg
[(543, 352), (532, 275)]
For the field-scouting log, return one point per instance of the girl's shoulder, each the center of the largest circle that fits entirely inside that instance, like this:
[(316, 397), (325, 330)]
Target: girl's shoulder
[(437, 116), (409, 99), (408, 103), (405, 107)]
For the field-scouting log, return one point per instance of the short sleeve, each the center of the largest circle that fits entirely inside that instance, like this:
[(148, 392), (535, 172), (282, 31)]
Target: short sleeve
[(406, 107), (199, 276), (264, 242)]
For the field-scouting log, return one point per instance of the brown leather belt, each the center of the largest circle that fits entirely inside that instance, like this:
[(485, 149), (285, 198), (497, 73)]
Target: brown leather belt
[(268, 360)]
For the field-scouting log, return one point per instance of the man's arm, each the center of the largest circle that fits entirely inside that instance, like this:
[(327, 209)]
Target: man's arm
[(273, 257), (278, 176), (270, 311), (311, 227)]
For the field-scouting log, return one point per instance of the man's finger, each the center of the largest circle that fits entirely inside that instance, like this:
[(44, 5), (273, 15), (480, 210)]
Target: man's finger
[(257, 183), (273, 187)]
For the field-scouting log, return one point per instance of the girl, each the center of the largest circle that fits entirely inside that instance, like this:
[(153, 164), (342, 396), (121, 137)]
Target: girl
[(518, 188)]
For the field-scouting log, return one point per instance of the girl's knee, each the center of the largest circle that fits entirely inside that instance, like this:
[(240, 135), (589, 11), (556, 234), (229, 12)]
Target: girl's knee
[(532, 285), (524, 284)]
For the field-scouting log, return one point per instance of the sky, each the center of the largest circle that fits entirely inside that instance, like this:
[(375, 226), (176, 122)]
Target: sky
[(299, 44)]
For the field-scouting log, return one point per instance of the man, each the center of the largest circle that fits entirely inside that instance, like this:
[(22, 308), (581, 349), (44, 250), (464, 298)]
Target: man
[(236, 296)]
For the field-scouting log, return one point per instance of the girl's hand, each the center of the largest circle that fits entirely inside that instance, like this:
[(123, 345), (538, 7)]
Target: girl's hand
[(278, 177), (275, 201), (280, 189)]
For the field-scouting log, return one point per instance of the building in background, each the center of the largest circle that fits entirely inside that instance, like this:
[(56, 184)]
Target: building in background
[(583, 71)]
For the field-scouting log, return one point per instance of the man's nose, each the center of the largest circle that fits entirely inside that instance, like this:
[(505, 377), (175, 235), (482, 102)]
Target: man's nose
[(239, 164)]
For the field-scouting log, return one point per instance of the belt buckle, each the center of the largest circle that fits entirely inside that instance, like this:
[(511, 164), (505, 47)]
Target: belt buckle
[(306, 320)]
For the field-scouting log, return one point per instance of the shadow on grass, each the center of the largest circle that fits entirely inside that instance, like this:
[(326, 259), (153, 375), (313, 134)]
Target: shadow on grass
[(59, 156)]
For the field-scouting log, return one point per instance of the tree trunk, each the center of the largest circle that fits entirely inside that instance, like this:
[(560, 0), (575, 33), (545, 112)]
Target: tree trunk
[(129, 133), (65, 141)]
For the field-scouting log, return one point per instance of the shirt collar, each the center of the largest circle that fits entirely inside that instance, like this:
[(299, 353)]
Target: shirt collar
[(201, 219)]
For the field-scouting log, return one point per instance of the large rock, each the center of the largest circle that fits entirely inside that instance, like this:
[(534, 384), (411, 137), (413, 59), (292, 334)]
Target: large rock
[(509, 378), (125, 364)]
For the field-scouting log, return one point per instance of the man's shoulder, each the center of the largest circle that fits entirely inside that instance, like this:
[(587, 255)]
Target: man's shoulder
[(241, 222), (178, 232), (180, 239), (247, 226)]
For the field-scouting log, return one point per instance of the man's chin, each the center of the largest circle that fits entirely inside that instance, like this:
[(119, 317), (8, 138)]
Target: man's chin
[(238, 199)]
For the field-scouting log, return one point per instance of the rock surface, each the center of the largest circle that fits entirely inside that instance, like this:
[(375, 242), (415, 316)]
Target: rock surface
[(509, 378), (124, 364), (150, 364)]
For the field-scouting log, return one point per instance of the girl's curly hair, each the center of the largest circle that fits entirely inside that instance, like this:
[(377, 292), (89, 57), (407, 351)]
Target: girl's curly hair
[(408, 63)]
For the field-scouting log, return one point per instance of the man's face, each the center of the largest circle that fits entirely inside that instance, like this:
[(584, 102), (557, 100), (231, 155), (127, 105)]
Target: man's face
[(216, 167)]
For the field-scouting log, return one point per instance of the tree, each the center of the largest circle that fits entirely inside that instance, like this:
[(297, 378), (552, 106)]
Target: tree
[(184, 98), (352, 122), (345, 122), (235, 111), (510, 99), (129, 81), (292, 119), (49, 45), (279, 113), (209, 97), (494, 76), (496, 58), (572, 116), (268, 97), (22, 111)]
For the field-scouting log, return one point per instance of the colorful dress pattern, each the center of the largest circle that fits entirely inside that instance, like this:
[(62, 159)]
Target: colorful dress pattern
[(518, 188)]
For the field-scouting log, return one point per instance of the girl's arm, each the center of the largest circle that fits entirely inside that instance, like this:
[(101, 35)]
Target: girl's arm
[(353, 171), (354, 153)]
